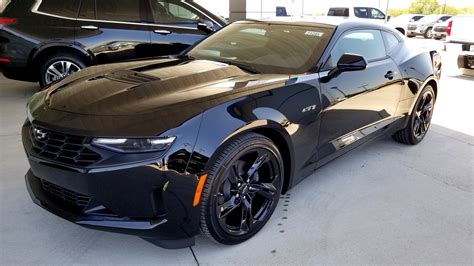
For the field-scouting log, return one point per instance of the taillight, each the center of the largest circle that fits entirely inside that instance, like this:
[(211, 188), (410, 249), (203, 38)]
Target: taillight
[(448, 30), (6, 21)]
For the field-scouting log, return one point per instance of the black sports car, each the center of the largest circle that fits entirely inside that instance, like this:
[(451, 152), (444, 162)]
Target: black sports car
[(208, 140)]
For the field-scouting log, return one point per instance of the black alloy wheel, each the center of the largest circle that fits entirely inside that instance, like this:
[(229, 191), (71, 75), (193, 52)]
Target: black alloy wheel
[(420, 119), (423, 114), (242, 189)]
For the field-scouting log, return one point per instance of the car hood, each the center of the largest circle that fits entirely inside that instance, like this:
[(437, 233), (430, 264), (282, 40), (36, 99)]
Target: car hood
[(148, 88), (144, 98)]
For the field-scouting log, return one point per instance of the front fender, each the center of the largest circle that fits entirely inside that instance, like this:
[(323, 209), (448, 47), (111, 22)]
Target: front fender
[(225, 122)]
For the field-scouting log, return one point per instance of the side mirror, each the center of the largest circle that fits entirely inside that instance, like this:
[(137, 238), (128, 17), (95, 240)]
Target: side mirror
[(205, 28), (349, 62), (388, 18)]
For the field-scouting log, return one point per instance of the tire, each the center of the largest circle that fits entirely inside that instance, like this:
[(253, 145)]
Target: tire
[(60, 62), (428, 33), (419, 121), (225, 203), (410, 36), (462, 62)]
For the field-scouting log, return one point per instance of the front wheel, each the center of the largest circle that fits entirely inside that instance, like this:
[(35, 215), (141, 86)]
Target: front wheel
[(428, 33), (420, 119), (242, 189)]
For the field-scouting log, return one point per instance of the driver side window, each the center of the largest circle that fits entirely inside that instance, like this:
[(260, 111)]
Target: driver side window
[(367, 43), (173, 12)]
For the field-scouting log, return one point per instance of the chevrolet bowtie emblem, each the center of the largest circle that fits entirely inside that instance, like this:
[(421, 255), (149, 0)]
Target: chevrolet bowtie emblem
[(39, 134)]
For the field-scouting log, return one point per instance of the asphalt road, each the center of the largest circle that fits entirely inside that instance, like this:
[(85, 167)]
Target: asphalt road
[(385, 203)]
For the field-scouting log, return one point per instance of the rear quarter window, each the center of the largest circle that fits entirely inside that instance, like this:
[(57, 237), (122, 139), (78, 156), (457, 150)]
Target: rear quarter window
[(391, 42), (63, 8)]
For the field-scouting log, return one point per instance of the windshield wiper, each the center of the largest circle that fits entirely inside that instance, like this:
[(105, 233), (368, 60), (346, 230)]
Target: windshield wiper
[(248, 68)]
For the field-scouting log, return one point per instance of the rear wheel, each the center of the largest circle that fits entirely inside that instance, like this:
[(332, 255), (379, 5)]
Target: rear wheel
[(59, 66), (242, 189), (420, 119)]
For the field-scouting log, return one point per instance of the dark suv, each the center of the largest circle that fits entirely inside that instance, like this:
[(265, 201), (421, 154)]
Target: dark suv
[(46, 40)]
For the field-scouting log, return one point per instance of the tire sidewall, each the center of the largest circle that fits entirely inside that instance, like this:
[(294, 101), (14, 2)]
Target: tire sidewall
[(52, 59), (217, 177)]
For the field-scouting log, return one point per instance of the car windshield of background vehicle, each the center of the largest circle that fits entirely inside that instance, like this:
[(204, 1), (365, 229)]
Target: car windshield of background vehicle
[(429, 18), (267, 48)]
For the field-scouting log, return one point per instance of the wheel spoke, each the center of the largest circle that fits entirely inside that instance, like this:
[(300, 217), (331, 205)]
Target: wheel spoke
[(234, 176), (52, 70), (267, 190), (427, 107), (247, 218), (67, 68), (227, 207), (261, 159)]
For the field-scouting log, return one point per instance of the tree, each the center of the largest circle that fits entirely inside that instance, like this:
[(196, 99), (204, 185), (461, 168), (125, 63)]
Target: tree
[(425, 7)]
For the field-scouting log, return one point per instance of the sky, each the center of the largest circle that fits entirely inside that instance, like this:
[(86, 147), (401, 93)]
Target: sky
[(221, 7)]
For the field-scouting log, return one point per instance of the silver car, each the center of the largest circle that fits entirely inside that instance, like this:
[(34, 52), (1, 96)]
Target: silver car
[(425, 25)]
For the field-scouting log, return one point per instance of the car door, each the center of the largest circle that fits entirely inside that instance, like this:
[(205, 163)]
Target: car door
[(114, 30), (175, 26), (356, 104)]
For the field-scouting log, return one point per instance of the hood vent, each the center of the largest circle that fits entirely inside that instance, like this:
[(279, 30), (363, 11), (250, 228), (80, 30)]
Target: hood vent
[(130, 76)]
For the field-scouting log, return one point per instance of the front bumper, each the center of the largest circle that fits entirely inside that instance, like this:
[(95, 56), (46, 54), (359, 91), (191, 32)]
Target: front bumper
[(439, 33), (145, 200)]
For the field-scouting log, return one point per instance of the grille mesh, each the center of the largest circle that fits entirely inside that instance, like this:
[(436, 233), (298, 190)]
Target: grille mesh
[(63, 148), (79, 200)]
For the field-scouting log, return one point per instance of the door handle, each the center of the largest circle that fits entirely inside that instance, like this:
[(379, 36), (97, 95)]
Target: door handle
[(162, 32), (389, 75), (89, 27)]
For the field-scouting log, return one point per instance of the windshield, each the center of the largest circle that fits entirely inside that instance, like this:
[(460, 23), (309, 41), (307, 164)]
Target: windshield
[(265, 47), (429, 18)]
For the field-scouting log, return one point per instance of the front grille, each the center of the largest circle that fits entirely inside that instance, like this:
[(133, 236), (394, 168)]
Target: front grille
[(411, 27), (63, 148), (440, 29), (76, 199)]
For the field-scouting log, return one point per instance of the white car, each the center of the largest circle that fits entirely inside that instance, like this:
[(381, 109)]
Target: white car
[(400, 23), (424, 26)]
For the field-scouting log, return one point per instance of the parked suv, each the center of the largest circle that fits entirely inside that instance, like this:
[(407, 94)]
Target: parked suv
[(46, 40), (425, 25)]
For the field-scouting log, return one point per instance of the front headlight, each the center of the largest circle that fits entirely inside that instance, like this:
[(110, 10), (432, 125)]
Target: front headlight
[(134, 145)]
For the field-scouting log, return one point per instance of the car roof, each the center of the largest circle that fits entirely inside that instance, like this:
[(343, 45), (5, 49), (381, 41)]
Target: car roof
[(321, 21)]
